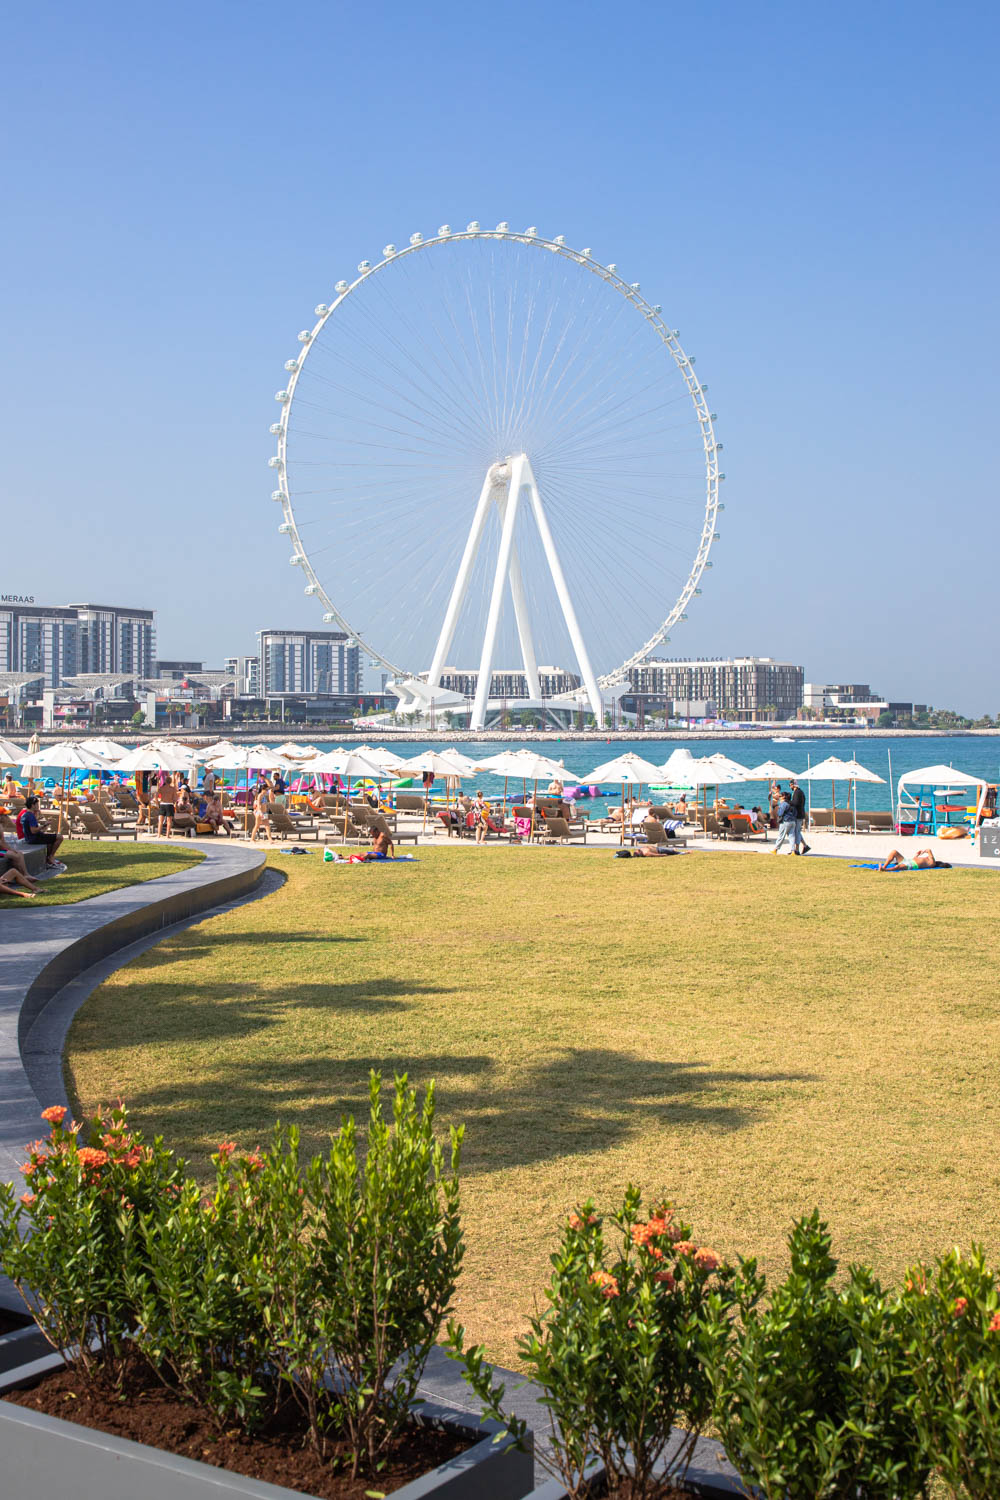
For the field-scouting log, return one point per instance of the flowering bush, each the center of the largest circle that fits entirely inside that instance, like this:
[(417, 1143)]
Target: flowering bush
[(812, 1389), (954, 1353), (617, 1351), (81, 1205)]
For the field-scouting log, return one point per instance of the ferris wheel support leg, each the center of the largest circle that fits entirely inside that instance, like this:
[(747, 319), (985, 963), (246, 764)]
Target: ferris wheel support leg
[(461, 584), (496, 598), (563, 595), (524, 625)]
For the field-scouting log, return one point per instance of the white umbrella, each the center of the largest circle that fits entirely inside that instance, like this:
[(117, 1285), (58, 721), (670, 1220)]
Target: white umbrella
[(835, 769), (11, 754), (165, 756), (730, 771), (769, 770), (630, 770), (221, 747), (295, 751), (249, 758), (107, 748), (74, 756), (463, 765)]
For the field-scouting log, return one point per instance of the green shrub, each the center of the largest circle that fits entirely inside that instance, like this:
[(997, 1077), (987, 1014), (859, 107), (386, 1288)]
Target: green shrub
[(82, 1204), (812, 1390), (352, 1265), (954, 1325), (617, 1351), (195, 1320)]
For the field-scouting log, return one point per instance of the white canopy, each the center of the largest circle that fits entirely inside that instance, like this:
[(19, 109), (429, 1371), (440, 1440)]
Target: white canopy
[(939, 776), (463, 765), (250, 758), (729, 770), (431, 760), (769, 770), (628, 770), (108, 748), (11, 754), (831, 769), (75, 756), (347, 763), (163, 757), (524, 763)]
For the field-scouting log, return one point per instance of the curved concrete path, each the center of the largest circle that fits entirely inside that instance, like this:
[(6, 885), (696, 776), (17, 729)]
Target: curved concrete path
[(46, 950)]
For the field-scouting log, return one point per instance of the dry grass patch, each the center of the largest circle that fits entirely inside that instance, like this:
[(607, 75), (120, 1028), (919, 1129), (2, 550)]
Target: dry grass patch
[(752, 1037)]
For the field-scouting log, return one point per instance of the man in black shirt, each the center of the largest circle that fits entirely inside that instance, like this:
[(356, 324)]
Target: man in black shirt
[(797, 798)]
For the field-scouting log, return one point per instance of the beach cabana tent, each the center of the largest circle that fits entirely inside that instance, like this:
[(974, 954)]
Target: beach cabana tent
[(938, 797)]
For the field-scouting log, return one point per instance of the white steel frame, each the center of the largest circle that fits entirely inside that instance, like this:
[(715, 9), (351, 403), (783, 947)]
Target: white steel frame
[(508, 502)]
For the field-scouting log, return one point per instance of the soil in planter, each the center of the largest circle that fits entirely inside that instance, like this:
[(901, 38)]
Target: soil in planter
[(152, 1415)]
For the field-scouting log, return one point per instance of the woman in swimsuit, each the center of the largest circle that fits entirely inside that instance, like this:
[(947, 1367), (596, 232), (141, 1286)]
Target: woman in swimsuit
[(922, 860)]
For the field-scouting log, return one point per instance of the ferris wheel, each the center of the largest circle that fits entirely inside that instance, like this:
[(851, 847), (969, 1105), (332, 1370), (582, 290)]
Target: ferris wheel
[(493, 451)]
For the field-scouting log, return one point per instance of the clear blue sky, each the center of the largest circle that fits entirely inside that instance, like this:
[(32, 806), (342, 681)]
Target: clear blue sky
[(811, 192)]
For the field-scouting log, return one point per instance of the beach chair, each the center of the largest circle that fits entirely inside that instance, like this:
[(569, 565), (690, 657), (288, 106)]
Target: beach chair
[(409, 802), (561, 830), (83, 819), (379, 823), (286, 827), (820, 817), (351, 835)]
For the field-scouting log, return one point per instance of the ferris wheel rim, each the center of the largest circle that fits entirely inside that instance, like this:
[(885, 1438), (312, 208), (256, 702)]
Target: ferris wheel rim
[(630, 291)]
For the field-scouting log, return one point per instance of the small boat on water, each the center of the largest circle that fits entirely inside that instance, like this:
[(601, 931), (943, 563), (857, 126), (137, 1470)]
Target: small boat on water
[(782, 739)]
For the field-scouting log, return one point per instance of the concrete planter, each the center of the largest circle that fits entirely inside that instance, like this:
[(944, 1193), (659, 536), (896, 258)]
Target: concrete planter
[(44, 1457), (710, 1476)]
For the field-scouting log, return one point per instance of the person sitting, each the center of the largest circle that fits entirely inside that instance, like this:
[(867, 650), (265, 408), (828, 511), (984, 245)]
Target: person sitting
[(215, 815), (924, 859), (29, 832), (17, 860), (555, 788), (382, 845), (10, 788), (184, 813), (13, 883)]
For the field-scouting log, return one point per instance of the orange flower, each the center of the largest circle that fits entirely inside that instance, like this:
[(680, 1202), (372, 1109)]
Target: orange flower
[(706, 1260), (961, 1306), (605, 1282), (666, 1278), (995, 1323), (55, 1114), (90, 1156), (29, 1167), (28, 1198), (575, 1222), (685, 1247), (226, 1149)]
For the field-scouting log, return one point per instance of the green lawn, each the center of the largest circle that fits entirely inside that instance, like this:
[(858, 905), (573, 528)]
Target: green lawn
[(752, 1036), (94, 868)]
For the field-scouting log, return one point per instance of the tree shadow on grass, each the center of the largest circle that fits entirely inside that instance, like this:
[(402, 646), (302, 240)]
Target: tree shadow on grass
[(584, 1101), (227, 1013)]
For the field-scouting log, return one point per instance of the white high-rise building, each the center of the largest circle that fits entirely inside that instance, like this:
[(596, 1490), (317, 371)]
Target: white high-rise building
[(307, 662)]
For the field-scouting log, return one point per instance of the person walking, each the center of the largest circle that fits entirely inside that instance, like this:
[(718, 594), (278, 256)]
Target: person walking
[(797, 800), (786, 828)]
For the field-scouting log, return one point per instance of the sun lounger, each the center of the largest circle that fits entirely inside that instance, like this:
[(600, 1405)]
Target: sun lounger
[(85, 820), (287, 827), (562, 831)]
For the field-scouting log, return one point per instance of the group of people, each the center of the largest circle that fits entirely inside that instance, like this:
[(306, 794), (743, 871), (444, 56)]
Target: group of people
[(179, 808), (16, 879), (789, 810)]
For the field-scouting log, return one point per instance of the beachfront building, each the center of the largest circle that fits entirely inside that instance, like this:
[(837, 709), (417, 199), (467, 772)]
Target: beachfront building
[(245, 672), (853, 700), (114, 638), (307, 662), (740, 687), (40, 639), (509, 683)]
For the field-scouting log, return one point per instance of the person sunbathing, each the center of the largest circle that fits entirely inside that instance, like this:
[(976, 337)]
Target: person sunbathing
[(923, 860), (12, 881)]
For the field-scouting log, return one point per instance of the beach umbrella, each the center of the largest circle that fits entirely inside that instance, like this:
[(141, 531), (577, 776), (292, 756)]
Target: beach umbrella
[(165, 756), (463, 765), (834, 769), (438, 765), (296, 752), (531, 766), (348, 764), (630, 770), (108, 748), (11, 754), (74, 756), (730, 771), (769, 770), (209, 752)]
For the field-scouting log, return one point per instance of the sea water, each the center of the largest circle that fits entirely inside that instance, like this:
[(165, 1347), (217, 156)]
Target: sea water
[(978, 755)]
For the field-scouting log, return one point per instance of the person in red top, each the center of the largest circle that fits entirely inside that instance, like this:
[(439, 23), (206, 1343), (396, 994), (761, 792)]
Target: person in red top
[(29, 832)]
